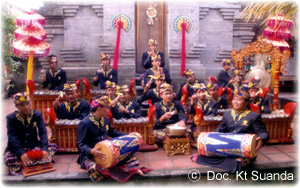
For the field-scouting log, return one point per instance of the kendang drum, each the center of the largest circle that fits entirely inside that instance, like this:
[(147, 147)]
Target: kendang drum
[(213, 144), (118, 149)]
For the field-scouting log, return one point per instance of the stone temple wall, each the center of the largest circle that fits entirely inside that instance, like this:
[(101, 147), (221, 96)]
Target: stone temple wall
[(79, 31)]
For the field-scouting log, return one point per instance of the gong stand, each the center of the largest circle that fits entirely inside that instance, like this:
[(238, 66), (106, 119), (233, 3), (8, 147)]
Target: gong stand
[(261, 47)]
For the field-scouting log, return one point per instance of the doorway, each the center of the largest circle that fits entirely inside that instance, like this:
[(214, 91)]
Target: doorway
[(149, 29)]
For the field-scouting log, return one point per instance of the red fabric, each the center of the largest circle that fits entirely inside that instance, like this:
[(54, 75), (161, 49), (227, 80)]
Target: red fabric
[(31, 85), (52, 114), (116, 54), (254, 108), (35, 154), (151, 111), (183, 28), (289, 108)]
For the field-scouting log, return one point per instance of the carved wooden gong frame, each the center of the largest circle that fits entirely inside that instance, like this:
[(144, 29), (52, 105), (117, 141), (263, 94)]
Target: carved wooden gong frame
[(261, 47)]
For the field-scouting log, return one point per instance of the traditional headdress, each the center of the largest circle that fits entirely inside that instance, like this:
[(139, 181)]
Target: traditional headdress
[(238, 72), (242, 93), (225, 62), (52, 58), (213, 86), (124, 89), (110, 84), (188, 72), (100, 101), (199, 86), (155, 57), (152, 42), (19, 98), (165, 87), (105, 56), (157, 76), (71, 87)]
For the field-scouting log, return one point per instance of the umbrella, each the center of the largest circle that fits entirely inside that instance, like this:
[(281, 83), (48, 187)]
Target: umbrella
[(31, 39), (30, 31), (30, 18), (24, 46)]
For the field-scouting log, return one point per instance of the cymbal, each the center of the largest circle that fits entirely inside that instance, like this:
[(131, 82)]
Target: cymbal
[(260, 74)]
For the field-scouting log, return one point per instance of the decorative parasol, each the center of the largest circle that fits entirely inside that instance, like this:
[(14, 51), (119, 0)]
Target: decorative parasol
[(30, 31), (277, 32), (30, 18), (119, 21), (183, 23), (30, 39)]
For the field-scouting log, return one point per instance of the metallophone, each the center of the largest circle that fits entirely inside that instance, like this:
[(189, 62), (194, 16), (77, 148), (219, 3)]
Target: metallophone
[(278, 124), (64, 132)]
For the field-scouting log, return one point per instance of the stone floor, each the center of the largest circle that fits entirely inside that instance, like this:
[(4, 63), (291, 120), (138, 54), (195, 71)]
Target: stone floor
[(271, 157)]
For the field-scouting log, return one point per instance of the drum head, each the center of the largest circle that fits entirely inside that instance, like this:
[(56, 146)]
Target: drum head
[(253, 147), (109, 156)]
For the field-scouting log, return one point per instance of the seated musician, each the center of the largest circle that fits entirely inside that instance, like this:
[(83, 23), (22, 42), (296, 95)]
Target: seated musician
[(156, 69), (106, 73), (208, 106), (261, 102), (26, 131), (237, 120), (125, 108), (223, 77), (73, 108), (239, 83), (190, 81), (153, 94), (55, 76), (93, 129), (111, 89), (168, 111), (146, 59), (213, 94)]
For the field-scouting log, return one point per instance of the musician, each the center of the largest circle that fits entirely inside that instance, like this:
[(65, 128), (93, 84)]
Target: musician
[(213, 94), (223, 77), (125, 108), (156, 69), (111, 89), (237, 120), (168, 111), (209, 107), (73, 108), (261, 102), (106, 73), (93, 129), (146, 59), (153, 94), (25, 131), (55, 76), (190, 81), (239, 83)]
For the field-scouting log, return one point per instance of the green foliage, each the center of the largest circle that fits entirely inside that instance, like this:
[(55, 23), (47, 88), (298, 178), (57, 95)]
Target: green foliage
[(8, 28)]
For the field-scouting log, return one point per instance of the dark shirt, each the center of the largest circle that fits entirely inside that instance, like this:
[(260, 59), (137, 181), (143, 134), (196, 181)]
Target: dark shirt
[(263, 105), (221, 102), (79, 110), (223, 78), (161, 109), (146, 60), (151, 71), (245, 122), (55, 79), (133, 108), (110, 74), (90, 131), (23, 132), (152, 94), (209, 107), (190, 90)]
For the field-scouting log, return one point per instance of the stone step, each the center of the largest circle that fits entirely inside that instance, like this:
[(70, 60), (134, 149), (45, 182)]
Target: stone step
[(75, 60)]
